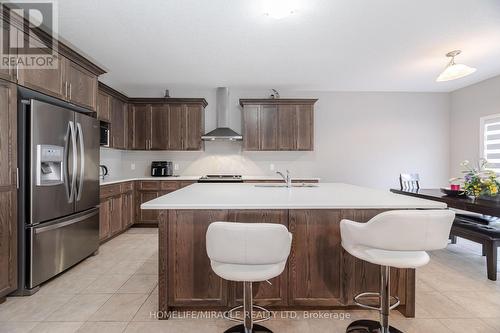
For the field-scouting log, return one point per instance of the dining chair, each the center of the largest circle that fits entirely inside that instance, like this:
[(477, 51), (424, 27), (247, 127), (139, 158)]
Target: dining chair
[(409, 181)]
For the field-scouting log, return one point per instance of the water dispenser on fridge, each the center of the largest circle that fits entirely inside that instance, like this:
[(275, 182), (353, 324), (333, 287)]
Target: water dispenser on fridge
[(49, 165)]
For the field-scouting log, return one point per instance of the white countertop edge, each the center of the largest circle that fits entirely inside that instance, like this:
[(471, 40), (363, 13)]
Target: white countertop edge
[(436, 205), (112, 180)]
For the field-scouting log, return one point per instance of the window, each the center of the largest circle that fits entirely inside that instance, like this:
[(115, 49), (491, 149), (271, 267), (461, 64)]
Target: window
[(490, 141)]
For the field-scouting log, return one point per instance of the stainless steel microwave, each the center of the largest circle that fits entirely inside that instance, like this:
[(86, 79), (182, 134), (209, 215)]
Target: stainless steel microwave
[(104, 134)]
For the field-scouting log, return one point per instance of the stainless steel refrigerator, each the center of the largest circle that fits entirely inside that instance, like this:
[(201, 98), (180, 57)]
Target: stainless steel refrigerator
[(59, 187)]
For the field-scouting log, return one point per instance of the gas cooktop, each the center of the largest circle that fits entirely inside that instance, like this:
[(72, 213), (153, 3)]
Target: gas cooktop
[(221, 179)]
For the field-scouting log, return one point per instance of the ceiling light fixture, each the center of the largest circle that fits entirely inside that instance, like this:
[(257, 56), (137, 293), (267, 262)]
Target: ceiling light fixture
[(454, 71), (278, 9)]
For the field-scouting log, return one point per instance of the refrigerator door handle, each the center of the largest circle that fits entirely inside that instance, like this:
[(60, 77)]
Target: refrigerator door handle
[(67, 182), (75, 160), (40, 230), (79, 132)]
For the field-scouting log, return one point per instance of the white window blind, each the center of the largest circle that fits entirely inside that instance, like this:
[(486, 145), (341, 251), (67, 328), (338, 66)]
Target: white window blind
[(490, 141)]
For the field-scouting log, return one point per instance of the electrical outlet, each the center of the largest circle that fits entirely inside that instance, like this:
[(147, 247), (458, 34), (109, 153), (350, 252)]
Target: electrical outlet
[(132, 166), (176, 166), (271, 167)]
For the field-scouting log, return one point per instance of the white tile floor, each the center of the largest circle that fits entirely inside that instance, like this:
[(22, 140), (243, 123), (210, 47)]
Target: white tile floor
[(116, 291)]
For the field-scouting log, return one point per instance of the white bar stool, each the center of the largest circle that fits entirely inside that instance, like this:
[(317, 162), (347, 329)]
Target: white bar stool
[(248, 252), (393, 239)]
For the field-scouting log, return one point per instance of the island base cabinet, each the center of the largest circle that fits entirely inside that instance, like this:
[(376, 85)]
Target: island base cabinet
[(319, 273), (191, 279), (315, 259)]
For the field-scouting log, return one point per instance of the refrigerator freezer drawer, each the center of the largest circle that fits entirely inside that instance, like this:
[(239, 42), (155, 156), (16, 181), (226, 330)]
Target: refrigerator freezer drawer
[(58, 245)]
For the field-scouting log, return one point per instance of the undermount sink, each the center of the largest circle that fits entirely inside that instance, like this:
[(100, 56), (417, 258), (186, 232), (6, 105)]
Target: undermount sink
[(284, 185)]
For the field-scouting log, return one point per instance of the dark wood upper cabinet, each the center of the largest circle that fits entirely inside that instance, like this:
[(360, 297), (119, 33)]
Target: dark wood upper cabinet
[(175, 116), (139, 126), (251, 127), (50, 81), (8, 188), (268, 127), (287, 127), (8, 34), (159, 124), (73, 78), (67, 80), (103, 106), (193, 124), (305, 127), (118, 130), (278, 124), (154, 123), (81, 85)]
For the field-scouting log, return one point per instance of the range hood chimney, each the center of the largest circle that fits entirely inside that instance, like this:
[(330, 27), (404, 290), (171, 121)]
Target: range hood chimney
[(222, 132)]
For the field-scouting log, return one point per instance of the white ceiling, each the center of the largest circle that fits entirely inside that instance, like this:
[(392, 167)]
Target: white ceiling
[(340, 45)]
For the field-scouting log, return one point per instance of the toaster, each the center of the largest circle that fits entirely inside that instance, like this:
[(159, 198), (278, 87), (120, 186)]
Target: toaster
[(161, 169)]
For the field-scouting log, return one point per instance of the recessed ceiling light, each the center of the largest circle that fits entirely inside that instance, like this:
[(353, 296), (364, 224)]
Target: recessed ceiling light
[(454, 71), (278, 9)]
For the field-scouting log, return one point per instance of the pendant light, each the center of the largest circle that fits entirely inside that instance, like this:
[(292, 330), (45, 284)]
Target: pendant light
[(454, 71)]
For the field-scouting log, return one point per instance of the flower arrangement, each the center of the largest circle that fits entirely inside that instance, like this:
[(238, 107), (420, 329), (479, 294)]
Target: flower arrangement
[(478, 180)]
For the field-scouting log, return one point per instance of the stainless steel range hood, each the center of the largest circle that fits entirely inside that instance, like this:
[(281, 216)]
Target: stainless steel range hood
[(222, 132)]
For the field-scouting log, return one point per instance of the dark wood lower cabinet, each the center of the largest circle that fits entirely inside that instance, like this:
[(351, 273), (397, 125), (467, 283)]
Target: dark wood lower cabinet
[(146, 216), (116, 212), (150, 189), (315, 278), (128, 209), (104, 219), (319, 273), (8, 188), (193, 283), (121, 204), (116, 221)]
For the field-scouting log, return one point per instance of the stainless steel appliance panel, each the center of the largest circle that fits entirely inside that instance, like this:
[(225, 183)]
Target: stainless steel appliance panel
[(87, 174), (51, 126), (60, 244)]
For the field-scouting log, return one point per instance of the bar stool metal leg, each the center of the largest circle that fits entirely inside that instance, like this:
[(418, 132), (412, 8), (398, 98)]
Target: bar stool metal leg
[(385, 285), (248, 326), (372, 326), (247, 306)]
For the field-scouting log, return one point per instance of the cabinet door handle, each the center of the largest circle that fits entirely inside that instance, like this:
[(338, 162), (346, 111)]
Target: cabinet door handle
[(70, 90), (17, 178), (17, 70)]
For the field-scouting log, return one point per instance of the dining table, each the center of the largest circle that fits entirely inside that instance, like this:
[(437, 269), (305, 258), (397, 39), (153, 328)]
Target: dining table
[(485, 206)]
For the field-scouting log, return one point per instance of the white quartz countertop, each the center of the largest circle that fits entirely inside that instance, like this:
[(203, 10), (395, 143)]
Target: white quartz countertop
[(113, 180), (249, 196)]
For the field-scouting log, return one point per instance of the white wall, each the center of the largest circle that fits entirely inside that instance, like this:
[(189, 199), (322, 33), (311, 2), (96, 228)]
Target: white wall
[(360, 137), (468, 105)]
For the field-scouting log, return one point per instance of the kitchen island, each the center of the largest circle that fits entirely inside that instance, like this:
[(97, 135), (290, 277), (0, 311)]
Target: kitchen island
[(319, 273)]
